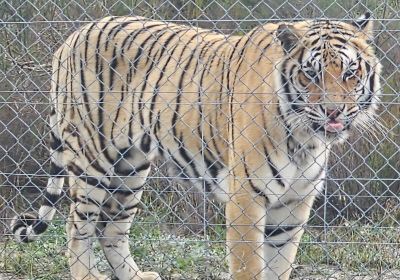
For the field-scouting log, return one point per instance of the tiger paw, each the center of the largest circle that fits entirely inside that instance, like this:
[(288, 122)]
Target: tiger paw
[(91, 276), (148, 275)]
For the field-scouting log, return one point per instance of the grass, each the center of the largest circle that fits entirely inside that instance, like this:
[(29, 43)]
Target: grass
[(45, 259), (358, 248), (38, 260), (354, 248)]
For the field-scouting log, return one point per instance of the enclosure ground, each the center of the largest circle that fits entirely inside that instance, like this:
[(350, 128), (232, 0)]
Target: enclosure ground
[(370, 253)]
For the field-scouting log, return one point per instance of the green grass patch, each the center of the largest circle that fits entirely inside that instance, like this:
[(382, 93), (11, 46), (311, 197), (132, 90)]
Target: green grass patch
[(353, 247), (43, 259)]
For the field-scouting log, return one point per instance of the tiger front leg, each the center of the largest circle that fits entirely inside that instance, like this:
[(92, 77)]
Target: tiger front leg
[(245, 215), (285, 226)]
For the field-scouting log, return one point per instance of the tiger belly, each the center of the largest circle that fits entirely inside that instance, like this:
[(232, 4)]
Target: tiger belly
[(213, 182), (202, 169)]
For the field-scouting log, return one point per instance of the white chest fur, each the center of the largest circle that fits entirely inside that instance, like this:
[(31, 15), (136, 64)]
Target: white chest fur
[(299, 171), (292, 174)]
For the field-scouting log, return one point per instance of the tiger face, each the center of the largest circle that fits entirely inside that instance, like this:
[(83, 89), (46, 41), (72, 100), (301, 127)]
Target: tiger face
[(330, 76)]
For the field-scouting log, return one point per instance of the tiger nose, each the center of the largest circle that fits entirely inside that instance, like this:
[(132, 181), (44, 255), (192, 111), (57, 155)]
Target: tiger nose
[(332, 113)]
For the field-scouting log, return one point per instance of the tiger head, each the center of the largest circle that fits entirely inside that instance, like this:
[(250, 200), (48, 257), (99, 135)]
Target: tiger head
[(329, 76)]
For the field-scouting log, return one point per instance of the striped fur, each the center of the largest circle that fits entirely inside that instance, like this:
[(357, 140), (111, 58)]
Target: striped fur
[(249, 119)]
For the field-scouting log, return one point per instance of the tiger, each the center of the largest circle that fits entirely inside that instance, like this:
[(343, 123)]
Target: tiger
[(248, 119)]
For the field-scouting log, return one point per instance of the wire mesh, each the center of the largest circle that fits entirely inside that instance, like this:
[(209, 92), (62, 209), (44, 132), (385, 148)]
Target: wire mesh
[(180, 229)]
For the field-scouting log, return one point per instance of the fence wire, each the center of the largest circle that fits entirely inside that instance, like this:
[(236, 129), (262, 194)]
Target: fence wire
[(179, 231)]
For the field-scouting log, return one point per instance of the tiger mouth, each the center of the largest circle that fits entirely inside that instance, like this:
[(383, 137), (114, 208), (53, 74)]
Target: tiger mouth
[(331, 127), (334, 126)]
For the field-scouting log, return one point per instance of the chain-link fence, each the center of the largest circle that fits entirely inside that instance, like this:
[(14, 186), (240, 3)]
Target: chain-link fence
[(353, 231)]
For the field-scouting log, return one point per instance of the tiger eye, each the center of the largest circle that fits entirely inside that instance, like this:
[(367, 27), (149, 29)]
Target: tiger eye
[(311, 75), (349, 74)]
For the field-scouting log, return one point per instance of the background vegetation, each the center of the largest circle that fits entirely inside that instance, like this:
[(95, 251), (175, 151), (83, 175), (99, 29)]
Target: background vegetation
[(363, 183)]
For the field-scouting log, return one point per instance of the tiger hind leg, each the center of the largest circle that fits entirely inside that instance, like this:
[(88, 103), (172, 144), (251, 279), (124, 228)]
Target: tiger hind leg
[(81, 229), (118, 211)]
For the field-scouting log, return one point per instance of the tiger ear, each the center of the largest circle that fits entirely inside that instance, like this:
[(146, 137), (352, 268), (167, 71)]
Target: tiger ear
[(288, 37), (365, 25)]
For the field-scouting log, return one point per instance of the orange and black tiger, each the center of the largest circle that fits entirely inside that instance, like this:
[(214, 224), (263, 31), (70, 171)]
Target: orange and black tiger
[(248, 119)]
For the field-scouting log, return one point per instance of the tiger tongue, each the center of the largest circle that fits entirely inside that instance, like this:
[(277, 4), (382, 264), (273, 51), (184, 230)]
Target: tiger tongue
[(334, 126)]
